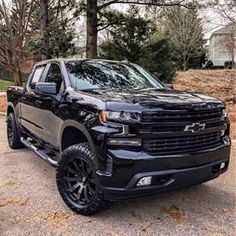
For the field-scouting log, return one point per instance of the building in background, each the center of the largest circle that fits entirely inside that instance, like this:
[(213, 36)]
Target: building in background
[(222, 46)]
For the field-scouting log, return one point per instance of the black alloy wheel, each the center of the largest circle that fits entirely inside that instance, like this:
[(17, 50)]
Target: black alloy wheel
[(76, 180), (80, 182)]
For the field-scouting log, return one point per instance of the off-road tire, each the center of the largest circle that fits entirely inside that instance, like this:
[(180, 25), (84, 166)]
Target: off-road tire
[(12, 133), (81, 153)]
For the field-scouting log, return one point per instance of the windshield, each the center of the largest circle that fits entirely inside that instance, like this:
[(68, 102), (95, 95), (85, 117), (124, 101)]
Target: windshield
[(109, 75)]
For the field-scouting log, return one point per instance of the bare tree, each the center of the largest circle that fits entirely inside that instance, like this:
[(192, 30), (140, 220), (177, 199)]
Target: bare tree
[(227, 42), (227, 9), (184, 30), (16, 28)]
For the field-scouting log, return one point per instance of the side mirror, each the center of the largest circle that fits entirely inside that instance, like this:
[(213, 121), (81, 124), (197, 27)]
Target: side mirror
[(169, 86), (46, 88)]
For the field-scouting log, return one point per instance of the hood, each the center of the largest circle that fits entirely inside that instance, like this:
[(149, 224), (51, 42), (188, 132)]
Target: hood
[(151, 99)]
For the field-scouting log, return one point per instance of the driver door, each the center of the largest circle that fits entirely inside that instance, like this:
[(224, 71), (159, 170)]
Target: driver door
[(46, 117)]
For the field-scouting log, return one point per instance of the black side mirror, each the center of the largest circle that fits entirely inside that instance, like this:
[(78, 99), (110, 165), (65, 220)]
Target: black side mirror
[(46, 88), (169, 86)]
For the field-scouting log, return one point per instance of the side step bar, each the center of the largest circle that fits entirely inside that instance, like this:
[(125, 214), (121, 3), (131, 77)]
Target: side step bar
[(39, 152)]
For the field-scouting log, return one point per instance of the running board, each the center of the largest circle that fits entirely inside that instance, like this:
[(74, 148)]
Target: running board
[(39, 152)]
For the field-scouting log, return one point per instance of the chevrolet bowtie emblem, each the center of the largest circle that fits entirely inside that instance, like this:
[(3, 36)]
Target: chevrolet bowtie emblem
[(195, 127)]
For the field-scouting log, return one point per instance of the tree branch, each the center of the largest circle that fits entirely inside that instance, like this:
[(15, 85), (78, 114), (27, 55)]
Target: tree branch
[(146, 3)]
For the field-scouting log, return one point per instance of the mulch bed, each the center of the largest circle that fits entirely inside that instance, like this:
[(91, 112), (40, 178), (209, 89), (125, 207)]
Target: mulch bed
[(3, 102)]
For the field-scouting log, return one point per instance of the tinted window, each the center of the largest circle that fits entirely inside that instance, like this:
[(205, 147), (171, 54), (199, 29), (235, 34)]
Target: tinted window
[(54, 76), (109, 75), (37, 76)]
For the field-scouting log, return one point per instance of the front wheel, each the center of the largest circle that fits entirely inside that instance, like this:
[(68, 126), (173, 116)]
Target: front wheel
[(76, 180)]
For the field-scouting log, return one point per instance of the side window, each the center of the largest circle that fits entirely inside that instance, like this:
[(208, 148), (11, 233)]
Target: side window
[(38, 72), (54, 76)]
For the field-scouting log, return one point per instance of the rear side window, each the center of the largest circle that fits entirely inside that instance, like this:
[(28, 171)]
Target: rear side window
[(38, 72)]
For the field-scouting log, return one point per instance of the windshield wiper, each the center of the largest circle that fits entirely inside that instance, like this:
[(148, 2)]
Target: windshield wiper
[(107, 89), (146, 89)]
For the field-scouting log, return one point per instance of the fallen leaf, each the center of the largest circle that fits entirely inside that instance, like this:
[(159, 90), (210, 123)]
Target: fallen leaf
[(177, 215), (15, 202), (59, 219)]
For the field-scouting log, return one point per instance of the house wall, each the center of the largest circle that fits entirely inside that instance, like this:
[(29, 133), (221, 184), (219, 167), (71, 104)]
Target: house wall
[(218, 54)]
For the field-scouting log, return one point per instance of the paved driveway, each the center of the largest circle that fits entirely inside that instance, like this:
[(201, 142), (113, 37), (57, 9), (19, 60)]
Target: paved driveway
[(31, 205)]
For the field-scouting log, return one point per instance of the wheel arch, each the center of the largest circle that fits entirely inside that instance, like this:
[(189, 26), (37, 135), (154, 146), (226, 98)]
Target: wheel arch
[(82, 133)]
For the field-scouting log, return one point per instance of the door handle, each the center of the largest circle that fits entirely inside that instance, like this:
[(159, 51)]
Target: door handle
[(38, 102)]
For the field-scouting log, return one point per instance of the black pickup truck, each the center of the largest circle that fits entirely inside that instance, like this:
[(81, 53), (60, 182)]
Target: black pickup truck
[(114, 131)]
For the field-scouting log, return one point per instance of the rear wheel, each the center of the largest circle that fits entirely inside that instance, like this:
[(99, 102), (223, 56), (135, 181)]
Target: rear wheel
[(12, 133), (76, 180)]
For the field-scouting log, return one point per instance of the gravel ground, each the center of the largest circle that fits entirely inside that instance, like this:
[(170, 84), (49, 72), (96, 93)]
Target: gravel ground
[(31, 205)]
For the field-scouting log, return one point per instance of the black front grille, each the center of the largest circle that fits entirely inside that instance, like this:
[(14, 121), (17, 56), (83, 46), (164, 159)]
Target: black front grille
[(164, 132), (182, 144)]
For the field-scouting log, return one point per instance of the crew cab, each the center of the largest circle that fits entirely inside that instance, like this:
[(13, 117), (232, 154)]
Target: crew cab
[(114, 131)]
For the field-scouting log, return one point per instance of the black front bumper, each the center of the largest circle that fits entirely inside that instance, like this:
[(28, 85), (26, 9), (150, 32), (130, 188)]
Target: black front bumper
[(167, 172)]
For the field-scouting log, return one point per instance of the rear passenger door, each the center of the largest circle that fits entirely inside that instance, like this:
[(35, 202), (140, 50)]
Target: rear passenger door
[(28, 110), (47, 120)]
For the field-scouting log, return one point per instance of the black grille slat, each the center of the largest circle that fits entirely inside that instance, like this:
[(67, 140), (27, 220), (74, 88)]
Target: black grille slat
[(175, 147), (186, 150), (182, 144), (184, 138), (181, 115)]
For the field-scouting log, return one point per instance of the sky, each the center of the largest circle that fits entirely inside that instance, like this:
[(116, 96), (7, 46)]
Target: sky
[(211, 20)]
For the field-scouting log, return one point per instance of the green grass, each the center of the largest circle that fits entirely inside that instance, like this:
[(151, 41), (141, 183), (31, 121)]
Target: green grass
[(4, 84)]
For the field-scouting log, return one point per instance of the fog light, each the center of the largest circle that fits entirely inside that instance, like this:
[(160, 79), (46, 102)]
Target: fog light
[(144, 181), (222, 165), (222, 132), (124, 142)]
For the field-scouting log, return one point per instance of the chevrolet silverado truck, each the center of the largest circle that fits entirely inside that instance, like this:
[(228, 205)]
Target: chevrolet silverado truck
[(113, 131)]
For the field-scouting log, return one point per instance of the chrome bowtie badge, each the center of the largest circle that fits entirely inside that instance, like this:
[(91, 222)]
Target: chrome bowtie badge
[(195, 127)]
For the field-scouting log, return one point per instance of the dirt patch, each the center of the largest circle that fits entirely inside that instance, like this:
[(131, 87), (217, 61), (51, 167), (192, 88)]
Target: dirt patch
[(216, 83), (3, 103), (58, 219), (9, 183), (14, 202), (177, 215)]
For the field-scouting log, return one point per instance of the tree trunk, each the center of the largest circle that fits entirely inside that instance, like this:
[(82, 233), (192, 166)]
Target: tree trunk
[(184, 66), (92, 32), (17, 77), (185, 61), (44, 26)]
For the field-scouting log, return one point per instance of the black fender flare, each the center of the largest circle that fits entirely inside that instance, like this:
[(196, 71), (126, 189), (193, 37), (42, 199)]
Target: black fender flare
[(10, 104), (81, 128), (19, 127)]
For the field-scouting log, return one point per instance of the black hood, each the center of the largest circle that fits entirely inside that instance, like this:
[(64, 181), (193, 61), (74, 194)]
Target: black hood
[(151, 99)]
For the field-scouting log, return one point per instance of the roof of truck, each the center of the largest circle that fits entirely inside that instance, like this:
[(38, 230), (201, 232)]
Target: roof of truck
[(76, 59)]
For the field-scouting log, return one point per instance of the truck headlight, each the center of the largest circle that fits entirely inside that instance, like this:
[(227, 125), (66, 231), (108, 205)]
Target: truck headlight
[(120, 116)]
